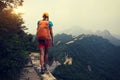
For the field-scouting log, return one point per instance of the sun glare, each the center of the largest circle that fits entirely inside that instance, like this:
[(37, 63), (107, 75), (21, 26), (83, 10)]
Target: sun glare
[(18, 10)]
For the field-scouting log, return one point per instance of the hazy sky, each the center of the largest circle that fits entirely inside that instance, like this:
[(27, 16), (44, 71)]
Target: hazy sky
[(67, 14)]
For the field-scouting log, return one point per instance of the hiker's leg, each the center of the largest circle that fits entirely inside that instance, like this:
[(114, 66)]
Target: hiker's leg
[(46, 56), (42, 57), (47, 46)]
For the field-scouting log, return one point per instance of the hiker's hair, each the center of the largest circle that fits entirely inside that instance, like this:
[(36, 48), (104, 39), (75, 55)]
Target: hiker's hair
[(46, 18)]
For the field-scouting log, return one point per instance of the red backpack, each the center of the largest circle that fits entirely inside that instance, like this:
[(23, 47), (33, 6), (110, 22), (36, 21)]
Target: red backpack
[(43, 31)]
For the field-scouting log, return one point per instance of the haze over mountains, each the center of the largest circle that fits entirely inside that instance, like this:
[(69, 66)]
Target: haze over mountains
[(113, 38)]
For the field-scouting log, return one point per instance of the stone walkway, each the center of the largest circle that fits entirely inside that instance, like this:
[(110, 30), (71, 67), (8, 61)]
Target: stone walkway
[(32, 69)]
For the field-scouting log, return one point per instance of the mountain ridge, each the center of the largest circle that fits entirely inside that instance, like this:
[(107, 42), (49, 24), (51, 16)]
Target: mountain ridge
[(89, 52)]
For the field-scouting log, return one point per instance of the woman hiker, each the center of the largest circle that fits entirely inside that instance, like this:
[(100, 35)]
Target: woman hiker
[(45, 39)]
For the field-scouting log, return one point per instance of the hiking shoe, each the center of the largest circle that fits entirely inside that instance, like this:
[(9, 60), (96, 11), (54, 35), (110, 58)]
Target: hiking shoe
[(45, 67), (42, 71)]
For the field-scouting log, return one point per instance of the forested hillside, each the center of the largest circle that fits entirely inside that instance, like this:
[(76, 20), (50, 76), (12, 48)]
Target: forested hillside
[(94, 58), (15, 44)]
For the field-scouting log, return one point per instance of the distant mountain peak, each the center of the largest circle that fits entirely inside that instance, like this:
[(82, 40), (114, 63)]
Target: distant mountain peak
[(107, 35), (103, 33), (106, 32)]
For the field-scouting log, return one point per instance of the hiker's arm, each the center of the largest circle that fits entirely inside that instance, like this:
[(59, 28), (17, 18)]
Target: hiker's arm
[(37, 28), (51, 33), (38, 24)]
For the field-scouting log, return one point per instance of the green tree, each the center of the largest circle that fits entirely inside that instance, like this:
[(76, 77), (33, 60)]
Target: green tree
[(12, 41)]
